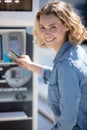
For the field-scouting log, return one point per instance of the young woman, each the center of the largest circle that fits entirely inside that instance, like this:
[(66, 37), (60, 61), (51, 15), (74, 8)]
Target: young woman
[(58, 26)]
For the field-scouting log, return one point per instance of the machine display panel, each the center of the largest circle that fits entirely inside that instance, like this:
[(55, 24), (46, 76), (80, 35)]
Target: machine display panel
[(1, 49)]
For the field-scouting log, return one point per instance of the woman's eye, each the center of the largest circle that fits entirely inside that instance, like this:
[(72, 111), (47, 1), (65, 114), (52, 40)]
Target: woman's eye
[(53, 28), (42, 28)]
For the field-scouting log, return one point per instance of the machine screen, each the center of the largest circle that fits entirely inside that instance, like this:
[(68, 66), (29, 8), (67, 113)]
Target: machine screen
[(16, 42), (1, 49)]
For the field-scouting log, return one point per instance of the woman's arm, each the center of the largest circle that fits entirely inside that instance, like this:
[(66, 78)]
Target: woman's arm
[(44, 71), (25, 61)]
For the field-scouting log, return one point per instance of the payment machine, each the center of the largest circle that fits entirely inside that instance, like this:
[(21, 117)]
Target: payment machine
[(15, 82)]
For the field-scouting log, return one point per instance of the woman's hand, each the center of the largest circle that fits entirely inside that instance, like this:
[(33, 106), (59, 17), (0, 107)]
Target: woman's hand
[(24, 61)]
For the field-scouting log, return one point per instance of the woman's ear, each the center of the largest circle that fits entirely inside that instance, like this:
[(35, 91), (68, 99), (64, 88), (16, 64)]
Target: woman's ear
[(66, 28)]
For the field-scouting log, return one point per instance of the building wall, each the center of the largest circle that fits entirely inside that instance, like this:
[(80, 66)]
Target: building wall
[(19, 18)]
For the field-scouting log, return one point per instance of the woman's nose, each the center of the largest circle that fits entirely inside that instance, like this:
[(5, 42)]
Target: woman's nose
[(47, 32)]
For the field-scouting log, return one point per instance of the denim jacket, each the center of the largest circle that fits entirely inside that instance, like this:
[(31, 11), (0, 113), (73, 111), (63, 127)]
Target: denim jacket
[(67, 87)]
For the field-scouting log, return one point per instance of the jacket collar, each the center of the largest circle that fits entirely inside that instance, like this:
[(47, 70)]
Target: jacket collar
[(61, 52)]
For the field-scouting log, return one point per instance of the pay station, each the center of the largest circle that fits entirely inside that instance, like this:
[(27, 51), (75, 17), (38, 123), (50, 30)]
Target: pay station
[(15, 82)]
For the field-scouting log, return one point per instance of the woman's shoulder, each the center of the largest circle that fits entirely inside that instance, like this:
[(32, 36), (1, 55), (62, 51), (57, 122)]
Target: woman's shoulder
[(75, 55)]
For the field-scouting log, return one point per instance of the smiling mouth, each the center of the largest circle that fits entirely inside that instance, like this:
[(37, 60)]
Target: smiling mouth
[(49, 40)]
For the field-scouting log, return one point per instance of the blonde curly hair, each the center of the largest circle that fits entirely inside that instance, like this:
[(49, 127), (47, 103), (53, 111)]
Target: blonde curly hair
[(66, 13)]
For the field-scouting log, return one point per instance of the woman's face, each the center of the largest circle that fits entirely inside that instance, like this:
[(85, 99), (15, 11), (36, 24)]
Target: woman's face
[(52, 31)]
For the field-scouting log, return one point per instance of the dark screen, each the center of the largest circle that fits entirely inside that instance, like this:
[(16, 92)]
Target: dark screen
[(1, 51)]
